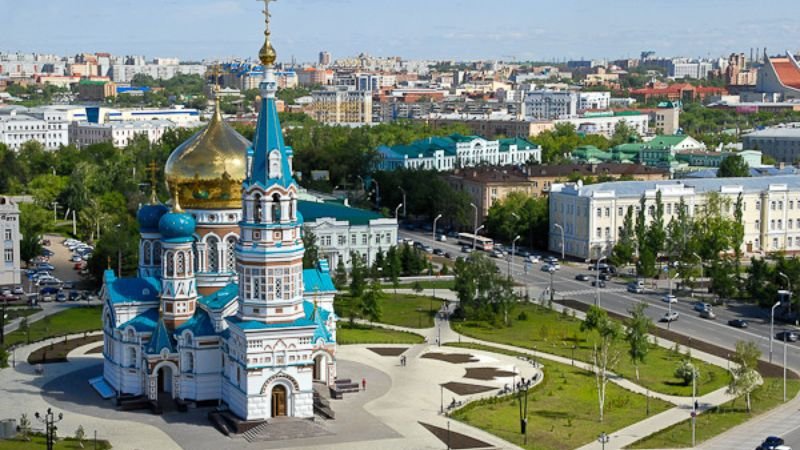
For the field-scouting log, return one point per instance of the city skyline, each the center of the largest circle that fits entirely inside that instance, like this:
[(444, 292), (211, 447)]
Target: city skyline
[(516, 30)]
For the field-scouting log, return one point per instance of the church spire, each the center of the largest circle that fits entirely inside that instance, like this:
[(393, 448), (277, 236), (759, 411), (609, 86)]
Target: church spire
[(267, 53)]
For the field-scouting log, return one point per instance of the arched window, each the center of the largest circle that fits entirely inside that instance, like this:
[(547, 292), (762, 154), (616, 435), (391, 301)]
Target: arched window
[(212, 244), (147, 253), (170, 263), (291, 208), (276, 208), (157, 253), (230, 255), (188, 362), (257, 209), (131, 357), (275, 164), (180, 264), (195, 257)]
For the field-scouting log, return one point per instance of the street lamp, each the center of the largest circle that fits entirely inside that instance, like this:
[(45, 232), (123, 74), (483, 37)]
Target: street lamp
[(784, 365), (562, 239), (511, 256), (789, 287), (669, 301), (603, 439), (475, 220), (772, 327), (522, 398), (49, 420), (404, 201), (397, 209), (597, 281), (434, 226), (552, 270), (475, 236)]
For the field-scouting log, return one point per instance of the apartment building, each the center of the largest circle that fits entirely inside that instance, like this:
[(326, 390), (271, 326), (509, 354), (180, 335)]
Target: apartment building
[(10, 238), (342, 105)]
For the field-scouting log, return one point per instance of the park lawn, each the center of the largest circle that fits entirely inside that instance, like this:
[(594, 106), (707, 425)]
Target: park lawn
[(73, 320), (14, 313), (551, 332), (403, 310), (37, 441), (562, 410), (363, 334), (722, 418), (426, 284)]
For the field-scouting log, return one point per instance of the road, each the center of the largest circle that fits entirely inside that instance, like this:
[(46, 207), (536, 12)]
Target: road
[(615, 298)]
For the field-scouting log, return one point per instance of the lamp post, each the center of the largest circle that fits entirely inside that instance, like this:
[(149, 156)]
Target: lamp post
[(562, 239), (49, 421), (397, 209), (784, 366), (475, 219), (789, 287), (522, 398), (475, 236), (603, 439), (694, 404), (511, 256), (434, 226), (552, 292), (669, 301), (404, 201), (377, 194), (772, 328), (597, 281)]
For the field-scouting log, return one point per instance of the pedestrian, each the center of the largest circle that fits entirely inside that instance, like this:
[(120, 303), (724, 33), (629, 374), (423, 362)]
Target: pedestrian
[(363, 384)]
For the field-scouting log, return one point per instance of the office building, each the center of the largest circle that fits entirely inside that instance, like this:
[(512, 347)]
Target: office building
[(781, 143), (342, 106)]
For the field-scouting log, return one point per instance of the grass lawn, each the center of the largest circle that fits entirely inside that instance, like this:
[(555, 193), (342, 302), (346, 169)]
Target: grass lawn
[(362, 334), (726, 416), (14, 313), (404, 310), (37, 441), (58, 351), (562, 410), (73, 320), (552, 332)]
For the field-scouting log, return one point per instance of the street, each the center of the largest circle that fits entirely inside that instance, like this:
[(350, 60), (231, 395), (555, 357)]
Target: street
[(615, 298)]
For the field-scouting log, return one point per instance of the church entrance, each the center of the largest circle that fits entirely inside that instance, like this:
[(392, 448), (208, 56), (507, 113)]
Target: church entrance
[(279, 401), (165, 379)]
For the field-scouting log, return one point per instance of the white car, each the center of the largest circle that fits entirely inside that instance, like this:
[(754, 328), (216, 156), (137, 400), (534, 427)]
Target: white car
[(669, 298), (441, 238), (670, 316), (533, 259)]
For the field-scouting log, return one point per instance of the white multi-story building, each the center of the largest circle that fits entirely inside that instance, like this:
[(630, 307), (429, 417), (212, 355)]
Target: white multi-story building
[(20, 125), (594, 100), (341, 230), (342, 105), (124, 73), (592, 216), (119, 134), (451, 152), (781, 143), (605, 123), (9, 242), (683, 69), (546, 105)]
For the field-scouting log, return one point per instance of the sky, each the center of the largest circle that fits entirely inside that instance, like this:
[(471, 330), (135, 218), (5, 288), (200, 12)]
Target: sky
[(413, 29)]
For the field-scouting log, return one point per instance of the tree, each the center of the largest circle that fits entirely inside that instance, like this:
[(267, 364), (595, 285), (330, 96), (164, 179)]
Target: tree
[(623, 251), (605, 356), (369, 306), (24, 427), (596, 318), (745, 374), (623, 134), (358, 274), (483, 294), (520, 215), (340, 275), (25, 328), (686, 371), (311, 254), (33, 222), (393, 267), (733, 166), (638, 328), (417, 287), (80, 435)]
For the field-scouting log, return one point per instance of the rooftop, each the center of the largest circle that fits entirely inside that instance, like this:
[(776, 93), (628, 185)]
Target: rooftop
[(312, 211), (700, 186), (776, 132)]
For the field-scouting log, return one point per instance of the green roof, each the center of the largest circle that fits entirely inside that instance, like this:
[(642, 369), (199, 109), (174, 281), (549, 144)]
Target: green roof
[(666, 140), (92, 83), (312, 211), (522, 144)]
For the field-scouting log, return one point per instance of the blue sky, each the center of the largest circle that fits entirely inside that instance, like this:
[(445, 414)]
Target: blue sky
[(437, 29)]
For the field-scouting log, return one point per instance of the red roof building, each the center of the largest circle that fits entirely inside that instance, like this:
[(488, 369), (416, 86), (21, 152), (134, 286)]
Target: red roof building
[(677, 91)]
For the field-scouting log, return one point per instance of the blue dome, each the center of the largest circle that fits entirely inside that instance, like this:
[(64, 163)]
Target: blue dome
[(149, 215), (176, 227)]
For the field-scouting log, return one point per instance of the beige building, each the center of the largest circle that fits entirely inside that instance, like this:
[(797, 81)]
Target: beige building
[(486, 186), (592, 216), (490, 125), (342, 106), (10, 238)]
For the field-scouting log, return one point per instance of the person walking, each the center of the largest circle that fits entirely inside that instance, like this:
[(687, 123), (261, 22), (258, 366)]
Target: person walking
[(363, 384)]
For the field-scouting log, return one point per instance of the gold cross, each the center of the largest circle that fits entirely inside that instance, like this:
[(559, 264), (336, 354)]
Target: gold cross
[(153, 169), (267, 15)]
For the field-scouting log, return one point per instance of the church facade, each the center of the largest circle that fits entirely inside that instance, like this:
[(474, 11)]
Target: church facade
[(221, 308)]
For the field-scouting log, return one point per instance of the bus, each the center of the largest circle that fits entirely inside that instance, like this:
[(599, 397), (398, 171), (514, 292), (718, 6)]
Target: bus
[(481, 242)]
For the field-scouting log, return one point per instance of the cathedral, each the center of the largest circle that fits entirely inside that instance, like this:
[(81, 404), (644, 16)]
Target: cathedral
[(221, 309)]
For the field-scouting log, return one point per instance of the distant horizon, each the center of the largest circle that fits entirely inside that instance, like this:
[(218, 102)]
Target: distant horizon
[(459, 30)]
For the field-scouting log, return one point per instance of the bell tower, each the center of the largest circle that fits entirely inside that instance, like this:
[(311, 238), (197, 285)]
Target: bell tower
[(178, 283)]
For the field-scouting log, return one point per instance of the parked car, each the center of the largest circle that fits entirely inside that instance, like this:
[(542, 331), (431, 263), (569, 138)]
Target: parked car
[(702, 306), (708, 314), (45, 266), (427, 249), (533, 259), (498, 254), (770, 443), (555, 265), (523, 253), (441, 238), (601, 266), (50, 282), (17, 290), (438, 252), (74, 296), (605, 276), (788, 335), (582, 277), (669, 298), (61, 297), (76, 258), (50, 290), (548, 268), (738, 323), (5, 292), (47, 253), (601, 283), (448, 255), (669, 316), (466, 249), (69, 285), (551, 260)]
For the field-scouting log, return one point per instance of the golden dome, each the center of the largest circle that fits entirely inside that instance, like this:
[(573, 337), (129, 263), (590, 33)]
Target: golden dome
[(208, 169), (267, 53)]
